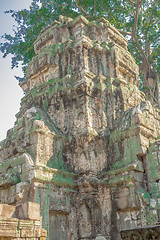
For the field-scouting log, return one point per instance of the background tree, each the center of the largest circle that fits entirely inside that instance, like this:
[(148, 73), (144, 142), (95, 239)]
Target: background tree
[(136, 19)]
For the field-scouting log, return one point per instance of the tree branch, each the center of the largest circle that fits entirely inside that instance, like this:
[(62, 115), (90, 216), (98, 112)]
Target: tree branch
[(156, 20), (141, 49), (82, 9), (138, 4), (124, 32), (136, 49), (94, 7), (124, 6), (147, 45), (151, 16), (133, 3), (134, 31), (141, 16), (137, 42)]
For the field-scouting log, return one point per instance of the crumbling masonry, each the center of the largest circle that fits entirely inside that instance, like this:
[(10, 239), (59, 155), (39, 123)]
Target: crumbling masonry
[(85, 143)]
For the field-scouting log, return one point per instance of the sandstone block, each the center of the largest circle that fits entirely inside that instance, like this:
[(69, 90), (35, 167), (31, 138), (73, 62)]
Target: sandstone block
[(43, 233), (8, 228), (28, 210), (6, 210)]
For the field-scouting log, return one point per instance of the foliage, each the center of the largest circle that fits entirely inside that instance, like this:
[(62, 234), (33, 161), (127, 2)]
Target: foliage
[(29, 23), (137, 19)]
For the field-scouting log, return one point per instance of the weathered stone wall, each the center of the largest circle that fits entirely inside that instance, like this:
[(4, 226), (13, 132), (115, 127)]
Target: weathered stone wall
[(85, 143)]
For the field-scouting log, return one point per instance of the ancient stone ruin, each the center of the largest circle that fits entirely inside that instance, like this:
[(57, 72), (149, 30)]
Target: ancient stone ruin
[(85, 145)]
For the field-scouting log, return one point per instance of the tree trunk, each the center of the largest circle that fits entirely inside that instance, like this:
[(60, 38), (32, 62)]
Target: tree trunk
[(150, 84)]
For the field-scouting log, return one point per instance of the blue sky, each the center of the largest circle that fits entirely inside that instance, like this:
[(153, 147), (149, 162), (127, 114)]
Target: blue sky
[(10, 92)]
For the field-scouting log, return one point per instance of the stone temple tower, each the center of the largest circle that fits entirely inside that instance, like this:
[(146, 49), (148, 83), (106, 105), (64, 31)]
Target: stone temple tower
[(85, 143)]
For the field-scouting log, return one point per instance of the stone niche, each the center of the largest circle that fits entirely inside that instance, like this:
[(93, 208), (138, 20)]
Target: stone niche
[(85, 145)]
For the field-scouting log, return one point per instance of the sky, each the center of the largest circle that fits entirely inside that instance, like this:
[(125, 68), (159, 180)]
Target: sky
[(10, 91)]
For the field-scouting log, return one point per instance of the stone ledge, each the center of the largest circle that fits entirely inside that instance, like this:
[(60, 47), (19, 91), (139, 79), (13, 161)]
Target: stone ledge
[(145, 233)]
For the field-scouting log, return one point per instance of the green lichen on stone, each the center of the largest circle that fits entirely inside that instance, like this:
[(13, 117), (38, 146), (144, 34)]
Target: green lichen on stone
[(46, 215), (153, 163), (63, 179), (46, 90), (11, 163), (57, 161)]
